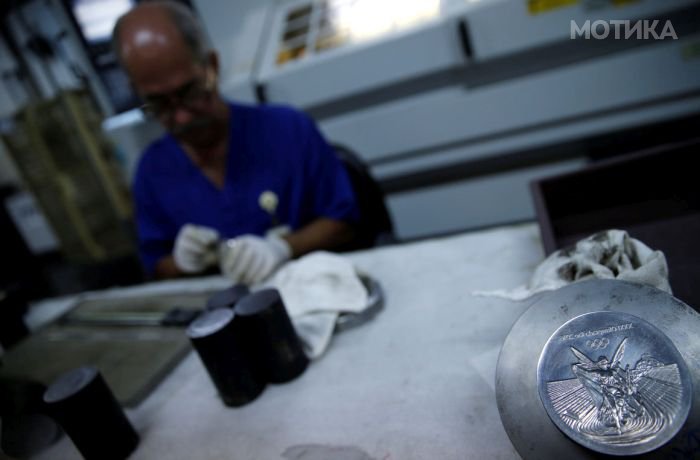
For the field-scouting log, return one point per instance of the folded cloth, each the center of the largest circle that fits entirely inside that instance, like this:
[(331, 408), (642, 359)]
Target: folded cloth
[(611, 254), (316, 289)]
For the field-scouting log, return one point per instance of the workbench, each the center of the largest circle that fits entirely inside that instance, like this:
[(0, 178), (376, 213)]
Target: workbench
[(416, 382)]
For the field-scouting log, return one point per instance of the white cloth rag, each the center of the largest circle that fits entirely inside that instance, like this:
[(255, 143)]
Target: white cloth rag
[(316, 289), (611, 254)]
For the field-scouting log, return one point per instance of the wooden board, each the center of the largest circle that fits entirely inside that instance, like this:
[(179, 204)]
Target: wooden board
[(132, 359)]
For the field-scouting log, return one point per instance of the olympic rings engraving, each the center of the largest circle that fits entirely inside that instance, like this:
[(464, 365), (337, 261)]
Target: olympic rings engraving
[(598, 344)]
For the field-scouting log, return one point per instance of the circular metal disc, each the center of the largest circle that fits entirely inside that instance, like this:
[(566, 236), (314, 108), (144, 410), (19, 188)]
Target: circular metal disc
[(614, 383), (70, 383), (531, 430), (209, 322)]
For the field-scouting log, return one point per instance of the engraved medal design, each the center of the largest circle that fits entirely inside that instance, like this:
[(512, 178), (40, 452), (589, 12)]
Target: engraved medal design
[(614, 383)]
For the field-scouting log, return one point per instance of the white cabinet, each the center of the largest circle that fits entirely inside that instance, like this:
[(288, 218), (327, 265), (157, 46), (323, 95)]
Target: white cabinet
[(480, 87)]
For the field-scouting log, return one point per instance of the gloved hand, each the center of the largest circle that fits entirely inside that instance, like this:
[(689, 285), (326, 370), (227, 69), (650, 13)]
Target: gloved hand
[(250, 259), (196, 248)]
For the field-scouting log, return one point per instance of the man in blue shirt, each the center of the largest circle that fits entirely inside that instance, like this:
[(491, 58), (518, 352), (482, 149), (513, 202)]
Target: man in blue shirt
[(211, 190)]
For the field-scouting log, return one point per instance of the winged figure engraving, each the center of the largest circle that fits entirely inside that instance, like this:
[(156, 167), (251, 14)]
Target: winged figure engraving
[(609, 400), (613, 389)]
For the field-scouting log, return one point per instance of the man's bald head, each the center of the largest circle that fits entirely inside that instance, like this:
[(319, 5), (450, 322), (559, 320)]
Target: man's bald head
[(159, 26), (162, 48)]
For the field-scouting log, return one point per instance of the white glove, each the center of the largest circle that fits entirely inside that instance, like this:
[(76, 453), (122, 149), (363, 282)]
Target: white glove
[(250, 259), (195, 248)]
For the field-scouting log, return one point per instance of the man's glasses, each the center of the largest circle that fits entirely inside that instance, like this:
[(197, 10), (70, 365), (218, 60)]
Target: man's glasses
[(189, 96)]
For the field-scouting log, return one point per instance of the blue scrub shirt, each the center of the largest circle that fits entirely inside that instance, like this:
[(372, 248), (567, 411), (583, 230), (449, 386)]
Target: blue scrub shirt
[(271, 148)]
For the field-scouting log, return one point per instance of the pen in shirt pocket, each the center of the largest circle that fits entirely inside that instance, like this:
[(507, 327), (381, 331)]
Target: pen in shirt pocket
[(268, 201)]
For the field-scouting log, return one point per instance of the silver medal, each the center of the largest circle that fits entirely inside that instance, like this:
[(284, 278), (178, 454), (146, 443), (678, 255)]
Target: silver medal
[(610, 395), (614, 383)]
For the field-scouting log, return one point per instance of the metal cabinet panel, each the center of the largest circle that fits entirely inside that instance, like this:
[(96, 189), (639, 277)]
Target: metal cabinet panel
[(484, 201), (637, 79), (322, 77), (508, 27)]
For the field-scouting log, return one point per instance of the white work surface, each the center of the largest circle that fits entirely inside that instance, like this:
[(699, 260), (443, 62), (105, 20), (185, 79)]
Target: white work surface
[(416, 382)]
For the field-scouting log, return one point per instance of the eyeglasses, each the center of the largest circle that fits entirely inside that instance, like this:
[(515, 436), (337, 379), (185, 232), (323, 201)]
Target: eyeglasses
[(190, 95)]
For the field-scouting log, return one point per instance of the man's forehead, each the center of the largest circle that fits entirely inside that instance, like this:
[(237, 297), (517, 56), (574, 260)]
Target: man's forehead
[(144, 37), (162, 76), (149, 29), (155, 54)]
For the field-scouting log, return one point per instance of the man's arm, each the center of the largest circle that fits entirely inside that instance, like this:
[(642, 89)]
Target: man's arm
[(322, 233), (166, 268)]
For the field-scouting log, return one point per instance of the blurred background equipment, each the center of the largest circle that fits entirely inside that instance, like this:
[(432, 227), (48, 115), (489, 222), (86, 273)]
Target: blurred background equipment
[(70, 202), (57, 146), (94, 21), (22, 277)]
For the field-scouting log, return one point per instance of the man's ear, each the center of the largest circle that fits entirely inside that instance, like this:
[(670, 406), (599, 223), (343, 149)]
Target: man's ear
[(213, 61)]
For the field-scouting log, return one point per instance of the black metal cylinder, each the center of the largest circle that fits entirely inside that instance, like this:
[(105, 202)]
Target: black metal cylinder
[(26, 428), (82, 403), (225, 355), (269, 331), (227, 298)]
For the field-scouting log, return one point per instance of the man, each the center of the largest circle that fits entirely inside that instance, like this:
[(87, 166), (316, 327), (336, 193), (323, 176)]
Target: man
[(223, 170)]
